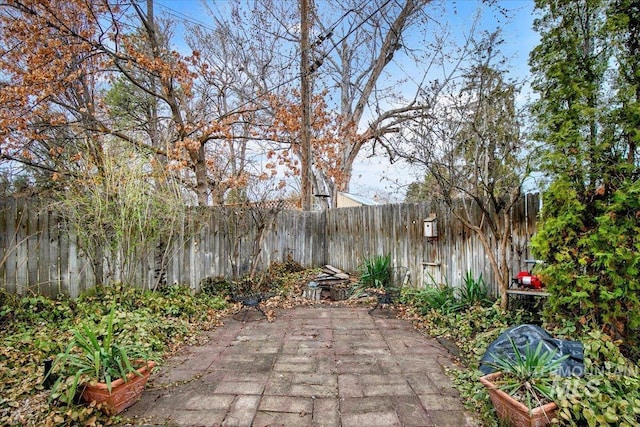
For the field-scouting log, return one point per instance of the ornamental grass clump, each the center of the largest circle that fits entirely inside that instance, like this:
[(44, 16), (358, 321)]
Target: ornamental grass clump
[(375, 273), (94, 354), (528, 376)]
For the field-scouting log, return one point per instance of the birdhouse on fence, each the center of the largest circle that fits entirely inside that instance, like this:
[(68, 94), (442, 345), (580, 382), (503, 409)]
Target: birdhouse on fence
[(430, 227)]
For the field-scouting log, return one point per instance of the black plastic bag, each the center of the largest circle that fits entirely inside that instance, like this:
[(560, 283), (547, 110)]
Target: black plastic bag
[(531, 335)]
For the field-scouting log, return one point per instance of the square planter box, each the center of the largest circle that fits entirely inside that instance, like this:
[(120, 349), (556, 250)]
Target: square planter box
[(514, 412), (123, 394)]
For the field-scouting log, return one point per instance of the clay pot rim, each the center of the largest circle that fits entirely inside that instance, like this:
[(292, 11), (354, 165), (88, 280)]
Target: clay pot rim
[(487, 381), (150, 364)]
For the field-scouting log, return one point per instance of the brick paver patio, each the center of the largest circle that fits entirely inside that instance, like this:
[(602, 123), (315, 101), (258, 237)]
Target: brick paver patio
[(313, 366)]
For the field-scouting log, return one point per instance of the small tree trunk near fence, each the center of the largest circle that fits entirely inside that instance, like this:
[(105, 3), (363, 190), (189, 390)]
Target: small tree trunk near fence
[(240, 229), (263, 219), (473, 151), (498, 253), (249, 222)]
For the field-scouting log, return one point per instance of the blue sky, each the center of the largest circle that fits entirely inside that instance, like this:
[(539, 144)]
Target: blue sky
[(519, 36), (375, 176)]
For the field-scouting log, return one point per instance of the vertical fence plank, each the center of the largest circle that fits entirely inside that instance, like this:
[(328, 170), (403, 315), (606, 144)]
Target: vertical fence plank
[(22, 249), (73, 268), (44, 277), (216, 252), (55, 275), (207, 248), (63, 267), (4, 241), (186, 250), (12, 246), (86, 277), (33, 242)]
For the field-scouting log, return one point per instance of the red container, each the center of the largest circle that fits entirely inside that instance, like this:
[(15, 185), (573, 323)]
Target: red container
[(123, 394), (529, 280)]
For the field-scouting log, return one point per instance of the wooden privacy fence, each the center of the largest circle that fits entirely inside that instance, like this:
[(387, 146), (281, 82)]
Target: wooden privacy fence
[(39, 255)]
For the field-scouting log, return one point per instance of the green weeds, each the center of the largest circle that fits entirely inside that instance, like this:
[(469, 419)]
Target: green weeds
[(375, 273), (609, 392), (439, 297)]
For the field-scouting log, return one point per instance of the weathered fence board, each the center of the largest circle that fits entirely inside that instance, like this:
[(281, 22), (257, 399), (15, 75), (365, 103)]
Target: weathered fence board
[(11, 216), (38, 254)]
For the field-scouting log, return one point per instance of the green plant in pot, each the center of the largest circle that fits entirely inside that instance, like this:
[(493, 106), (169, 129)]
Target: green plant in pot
[(108, 372), (521, 388)]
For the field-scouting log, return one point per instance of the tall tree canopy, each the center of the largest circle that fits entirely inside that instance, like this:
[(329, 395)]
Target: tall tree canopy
[(59, 61), (356, 49), (79, 74), (586, 73)]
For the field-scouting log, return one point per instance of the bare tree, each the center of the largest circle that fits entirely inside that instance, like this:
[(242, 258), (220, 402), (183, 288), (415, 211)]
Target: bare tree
[(472, 149), (358, 67), (357, 50), (76, 52), (247, 225), (250, 52)]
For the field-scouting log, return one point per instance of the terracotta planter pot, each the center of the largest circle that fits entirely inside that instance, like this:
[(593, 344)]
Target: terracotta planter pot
[(513, 411), (123, 394)]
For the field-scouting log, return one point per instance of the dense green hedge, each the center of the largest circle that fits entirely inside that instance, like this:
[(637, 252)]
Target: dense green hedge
[(592, 255)]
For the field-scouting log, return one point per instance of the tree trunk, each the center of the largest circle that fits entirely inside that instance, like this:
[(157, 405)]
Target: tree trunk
[(354, 102), (497, 255), (200, 169)]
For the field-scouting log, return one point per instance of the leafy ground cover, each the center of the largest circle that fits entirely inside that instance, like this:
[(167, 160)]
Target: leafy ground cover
[(608, 395), (35, 328)]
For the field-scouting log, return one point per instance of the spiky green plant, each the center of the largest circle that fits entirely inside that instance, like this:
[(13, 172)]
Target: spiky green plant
[(528, 376), (376, 271), (473, 291), (96, 356)]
